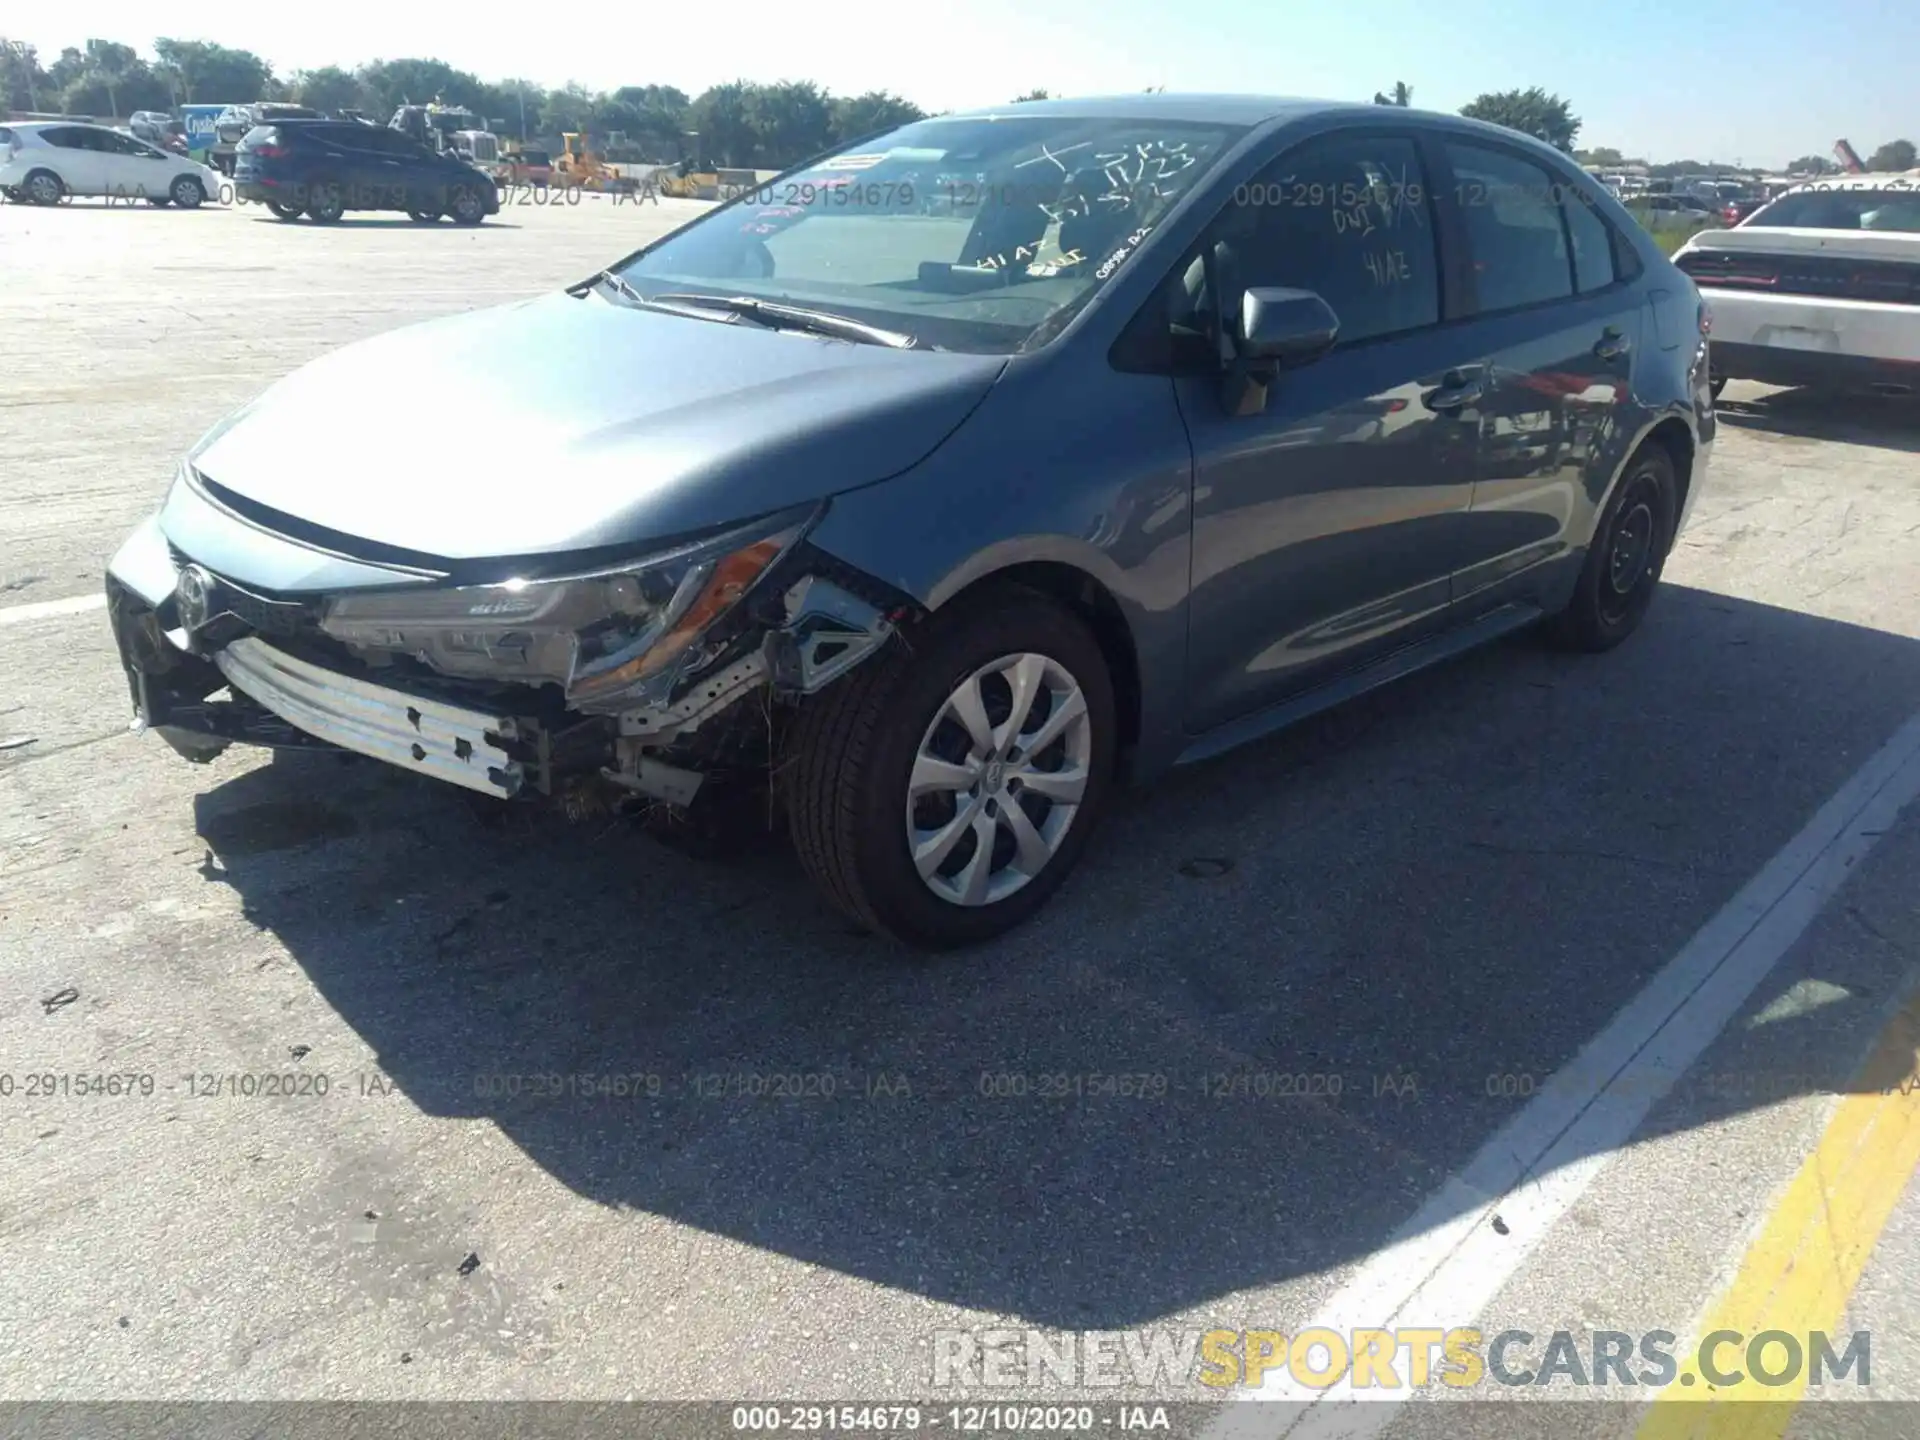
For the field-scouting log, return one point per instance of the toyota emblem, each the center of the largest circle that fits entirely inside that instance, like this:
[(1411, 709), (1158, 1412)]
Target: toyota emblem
[(194, 597)]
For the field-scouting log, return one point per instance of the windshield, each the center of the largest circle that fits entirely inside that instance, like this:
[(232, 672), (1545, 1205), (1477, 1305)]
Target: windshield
[(971, 234), (1887, 209)]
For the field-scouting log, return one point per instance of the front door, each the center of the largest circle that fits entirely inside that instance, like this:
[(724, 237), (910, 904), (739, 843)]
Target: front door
[(1326, 524)]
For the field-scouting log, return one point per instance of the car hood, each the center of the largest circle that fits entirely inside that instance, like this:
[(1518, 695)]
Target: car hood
[(568, 423)]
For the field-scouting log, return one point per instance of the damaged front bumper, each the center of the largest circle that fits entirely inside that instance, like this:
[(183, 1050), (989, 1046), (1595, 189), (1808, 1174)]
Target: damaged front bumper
[(210, 662)]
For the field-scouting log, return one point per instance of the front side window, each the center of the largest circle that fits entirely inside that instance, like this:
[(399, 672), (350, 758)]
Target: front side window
[(979, 234), (1511, 209), (1348, 217)]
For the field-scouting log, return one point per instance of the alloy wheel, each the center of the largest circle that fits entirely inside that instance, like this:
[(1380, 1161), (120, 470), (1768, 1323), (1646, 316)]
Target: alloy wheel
[(998, 778), (44, 189)]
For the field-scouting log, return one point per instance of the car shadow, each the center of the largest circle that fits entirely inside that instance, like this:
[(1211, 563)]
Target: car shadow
[(356, 221), (1289, 992), (1891, 422)]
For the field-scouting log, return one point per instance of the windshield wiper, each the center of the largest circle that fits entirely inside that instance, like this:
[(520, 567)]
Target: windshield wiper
[(620, 284), (794, 317), (668, 304)]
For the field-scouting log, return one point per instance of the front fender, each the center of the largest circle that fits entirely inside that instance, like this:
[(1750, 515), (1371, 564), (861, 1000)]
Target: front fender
[(1107, 496)]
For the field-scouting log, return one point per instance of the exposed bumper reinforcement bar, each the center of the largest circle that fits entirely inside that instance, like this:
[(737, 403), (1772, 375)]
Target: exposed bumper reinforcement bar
[(462, 747)]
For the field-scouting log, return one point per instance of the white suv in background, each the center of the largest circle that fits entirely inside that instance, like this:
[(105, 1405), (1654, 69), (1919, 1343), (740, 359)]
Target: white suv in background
[(1821, 287), (42, 162)]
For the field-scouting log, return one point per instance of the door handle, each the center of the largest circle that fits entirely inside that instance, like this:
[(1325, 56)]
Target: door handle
[(1612, 345), (1456, 393)]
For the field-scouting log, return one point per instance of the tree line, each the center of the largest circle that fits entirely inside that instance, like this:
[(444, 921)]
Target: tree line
[(740, 123)]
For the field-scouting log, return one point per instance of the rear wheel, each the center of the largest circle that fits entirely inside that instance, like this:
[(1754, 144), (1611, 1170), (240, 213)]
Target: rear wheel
[(328, 203), (1628, 552), (281, 210), (942, 793), (186, 192), (43, 187)]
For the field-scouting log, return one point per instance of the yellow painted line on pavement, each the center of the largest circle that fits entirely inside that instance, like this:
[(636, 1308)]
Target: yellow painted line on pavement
[(1802, 1267)]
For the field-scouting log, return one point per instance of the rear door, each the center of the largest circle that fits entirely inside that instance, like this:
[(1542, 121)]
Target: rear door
[(1559, 323), (1325, 523), (80, 166)]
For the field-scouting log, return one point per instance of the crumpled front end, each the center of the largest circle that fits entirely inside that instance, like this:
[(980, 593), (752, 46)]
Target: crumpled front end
[(601, 687)]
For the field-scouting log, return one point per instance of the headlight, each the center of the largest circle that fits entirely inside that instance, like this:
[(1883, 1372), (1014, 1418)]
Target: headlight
[(601, 636)]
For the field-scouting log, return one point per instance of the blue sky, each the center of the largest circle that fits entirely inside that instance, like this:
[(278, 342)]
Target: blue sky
[(1760, 81)]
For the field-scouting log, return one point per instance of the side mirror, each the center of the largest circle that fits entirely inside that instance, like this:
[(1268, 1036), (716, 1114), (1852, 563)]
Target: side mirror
[(1280, 329), (1288, 328)]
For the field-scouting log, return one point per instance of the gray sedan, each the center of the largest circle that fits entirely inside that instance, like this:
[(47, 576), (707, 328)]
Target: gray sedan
[(937, 485)]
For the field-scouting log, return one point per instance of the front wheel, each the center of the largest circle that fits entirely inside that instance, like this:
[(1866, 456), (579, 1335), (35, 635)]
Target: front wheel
[(186, 193), (1628, 552), (467, 206), (942, 792)]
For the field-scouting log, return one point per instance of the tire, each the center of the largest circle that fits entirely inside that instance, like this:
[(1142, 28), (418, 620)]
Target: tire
[(1625, 560), (281, 210), (328, 203), (186, 192), (466, 205), (43, 187), (858, 744)]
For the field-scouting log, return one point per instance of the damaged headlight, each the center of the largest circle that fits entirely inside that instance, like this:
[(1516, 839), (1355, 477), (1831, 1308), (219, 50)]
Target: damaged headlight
[(601, 635)]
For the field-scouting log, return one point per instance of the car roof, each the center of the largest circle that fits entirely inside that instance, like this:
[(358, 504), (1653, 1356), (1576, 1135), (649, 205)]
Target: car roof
[(1219, 109), (1252, 111), (1871, 180)]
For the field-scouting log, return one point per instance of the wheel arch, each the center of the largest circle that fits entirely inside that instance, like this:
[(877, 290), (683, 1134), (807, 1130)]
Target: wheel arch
[(1672, 434), (1079, 590)]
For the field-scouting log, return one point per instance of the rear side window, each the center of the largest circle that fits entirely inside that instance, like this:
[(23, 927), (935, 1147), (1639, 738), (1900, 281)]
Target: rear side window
[(65, 137), (6, 136), (1511, 209), (1348, 217), (1592, 242)]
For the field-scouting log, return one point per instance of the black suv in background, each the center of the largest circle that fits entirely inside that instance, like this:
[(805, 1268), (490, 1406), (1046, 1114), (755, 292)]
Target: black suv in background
[(324, 168)]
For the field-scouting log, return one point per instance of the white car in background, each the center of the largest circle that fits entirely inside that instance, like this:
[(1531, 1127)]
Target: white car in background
[(44, 161), (1820, 287)]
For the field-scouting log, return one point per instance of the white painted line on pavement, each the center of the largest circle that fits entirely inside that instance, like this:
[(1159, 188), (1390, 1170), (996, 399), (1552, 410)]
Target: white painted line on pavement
[(45, 609), (1448, 1263)]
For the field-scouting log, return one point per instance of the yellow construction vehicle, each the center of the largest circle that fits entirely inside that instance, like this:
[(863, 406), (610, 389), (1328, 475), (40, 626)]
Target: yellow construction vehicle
[(578, 167), (687, 181)]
